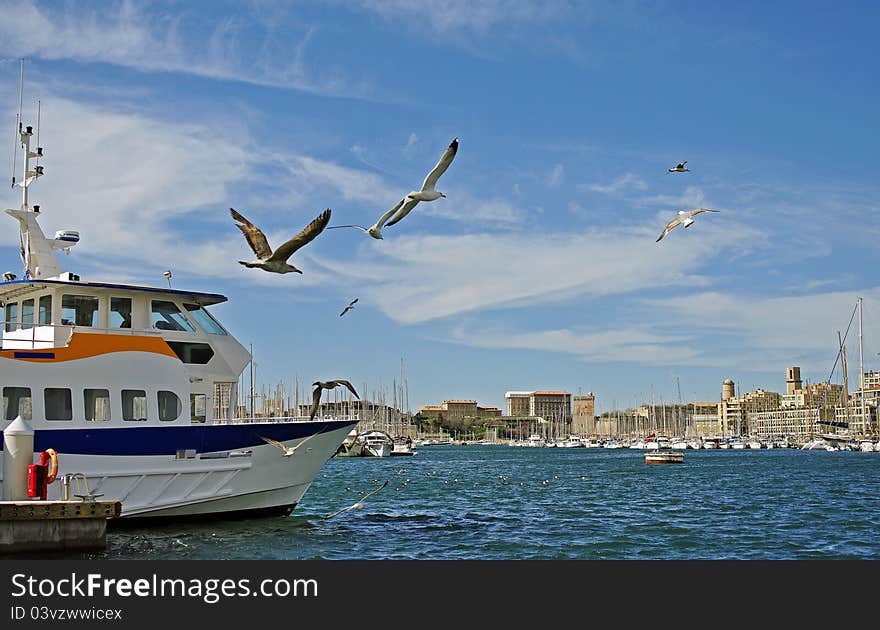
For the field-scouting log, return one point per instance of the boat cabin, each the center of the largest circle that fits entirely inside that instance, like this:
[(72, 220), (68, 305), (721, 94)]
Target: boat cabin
[(50, 321)]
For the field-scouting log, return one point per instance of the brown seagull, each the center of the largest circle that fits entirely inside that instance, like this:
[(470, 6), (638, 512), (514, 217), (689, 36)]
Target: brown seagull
[(277, 261), (319, 386)]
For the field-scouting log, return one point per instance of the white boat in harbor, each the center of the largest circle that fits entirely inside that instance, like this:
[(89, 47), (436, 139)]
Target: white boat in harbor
[(403, 446), (376, 444), (135, 387), (755, 445)]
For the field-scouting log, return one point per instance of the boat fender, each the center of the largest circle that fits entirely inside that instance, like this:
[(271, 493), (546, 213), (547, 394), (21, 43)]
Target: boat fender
[(46, 457)]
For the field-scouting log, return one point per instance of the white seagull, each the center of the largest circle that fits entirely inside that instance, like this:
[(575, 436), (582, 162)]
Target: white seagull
[(374, 230), (359, 504), (427, 193), (277, 261), (320, 386), (287, 451), (349, 307), (678, 168), (685, 218)]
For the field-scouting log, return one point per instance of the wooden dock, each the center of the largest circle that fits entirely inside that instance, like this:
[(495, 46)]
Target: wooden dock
[(32, 526)]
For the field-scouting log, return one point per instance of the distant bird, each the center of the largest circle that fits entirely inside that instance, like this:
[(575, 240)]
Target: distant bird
[(359, 504), (319, 386), (678, 168), (374, 230), (427, 193), (685, 217), (277, 261), (287, 451), (349, 307)]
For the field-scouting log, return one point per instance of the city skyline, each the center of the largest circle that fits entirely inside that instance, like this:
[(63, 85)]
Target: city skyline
[(540, 270)]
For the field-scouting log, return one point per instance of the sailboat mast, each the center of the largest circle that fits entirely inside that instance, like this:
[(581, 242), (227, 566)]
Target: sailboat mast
[(865, 426)]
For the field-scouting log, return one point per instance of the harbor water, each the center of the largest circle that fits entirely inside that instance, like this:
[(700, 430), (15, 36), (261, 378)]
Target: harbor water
[(500, 502)]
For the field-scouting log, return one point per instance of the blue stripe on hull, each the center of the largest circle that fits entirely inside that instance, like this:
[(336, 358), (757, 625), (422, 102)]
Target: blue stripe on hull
[(168, 440)]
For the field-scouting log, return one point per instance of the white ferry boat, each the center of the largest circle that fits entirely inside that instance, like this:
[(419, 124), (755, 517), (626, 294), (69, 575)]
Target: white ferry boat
[(135, 387)]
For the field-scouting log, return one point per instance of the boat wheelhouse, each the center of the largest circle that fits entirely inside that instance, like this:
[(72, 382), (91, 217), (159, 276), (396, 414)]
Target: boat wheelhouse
[(135, 388)]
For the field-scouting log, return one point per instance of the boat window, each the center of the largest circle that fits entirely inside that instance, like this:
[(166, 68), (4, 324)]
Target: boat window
[(45, 314), (17, 402), (120, 312), (169, 406), (204, 319), (198, 407), (166, 316), (27, 314), (11, 316), (79, 310), (196, 353), (134, 405), (97, 402), (59, 404)]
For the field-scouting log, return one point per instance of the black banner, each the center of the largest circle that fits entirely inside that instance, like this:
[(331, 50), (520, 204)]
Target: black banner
[(398, 593)]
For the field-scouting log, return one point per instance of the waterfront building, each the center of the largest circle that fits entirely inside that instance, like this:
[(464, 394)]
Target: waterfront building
[(583, 417), (850, 414), (517, 403), (458, 410)]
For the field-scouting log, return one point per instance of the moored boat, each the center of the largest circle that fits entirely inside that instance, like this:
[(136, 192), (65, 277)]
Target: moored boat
[(664, 457), (135, 388)]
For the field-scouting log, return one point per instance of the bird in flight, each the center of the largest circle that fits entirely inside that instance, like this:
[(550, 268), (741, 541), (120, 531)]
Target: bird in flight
[(678, 168), (374, 230), (287, 451), (277, 261), (685, 218), (359, 504), (320, 386), (349, 307), (427, 193)]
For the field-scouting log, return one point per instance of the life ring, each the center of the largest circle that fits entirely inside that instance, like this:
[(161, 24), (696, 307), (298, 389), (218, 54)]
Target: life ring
[(53, 465)]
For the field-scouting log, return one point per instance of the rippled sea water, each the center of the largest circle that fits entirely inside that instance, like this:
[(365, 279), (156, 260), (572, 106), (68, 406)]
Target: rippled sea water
[(499, 502)]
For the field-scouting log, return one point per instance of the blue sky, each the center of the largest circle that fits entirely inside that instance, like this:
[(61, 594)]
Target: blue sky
[(540, 269)]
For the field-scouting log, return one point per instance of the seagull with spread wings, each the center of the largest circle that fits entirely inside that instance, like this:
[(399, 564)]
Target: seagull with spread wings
[(374, 230), (359, 504), (678, 168), (276, 261), (349, 307), (318, 389), (685, 218), (287, 451), (428, 192)]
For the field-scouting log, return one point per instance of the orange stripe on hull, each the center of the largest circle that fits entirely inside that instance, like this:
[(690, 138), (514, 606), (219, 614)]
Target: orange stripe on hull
[(84, 345)]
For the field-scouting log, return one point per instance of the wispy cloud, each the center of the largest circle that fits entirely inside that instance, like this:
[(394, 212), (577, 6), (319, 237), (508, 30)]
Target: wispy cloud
[(632, 344), (129, 34), (479, 16), (454, 274), (555, 176), (627, 181)]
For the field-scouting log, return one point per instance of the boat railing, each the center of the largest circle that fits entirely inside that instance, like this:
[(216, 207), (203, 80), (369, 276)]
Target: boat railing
[(27, 336), (284, 419)]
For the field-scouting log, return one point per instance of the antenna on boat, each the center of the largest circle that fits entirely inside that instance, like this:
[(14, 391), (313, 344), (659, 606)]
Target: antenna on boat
[(17, 122), (167, 275)]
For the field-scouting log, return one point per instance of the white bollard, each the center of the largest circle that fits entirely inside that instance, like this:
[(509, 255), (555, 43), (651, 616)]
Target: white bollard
[(18, 453)]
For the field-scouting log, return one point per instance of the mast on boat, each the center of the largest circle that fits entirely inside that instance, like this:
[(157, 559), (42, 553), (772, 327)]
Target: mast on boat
[(37, 251)]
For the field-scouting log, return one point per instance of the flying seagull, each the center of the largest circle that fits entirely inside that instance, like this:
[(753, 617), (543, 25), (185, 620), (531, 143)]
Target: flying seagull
[(349, 307), (427, 193), (685, 217), (359, 504), (319, 386), (287, 451), (277, 261), (374, 230), (678, 168)]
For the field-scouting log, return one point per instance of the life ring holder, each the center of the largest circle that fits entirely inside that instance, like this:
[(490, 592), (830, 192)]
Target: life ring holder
[(53, 465)]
